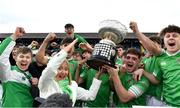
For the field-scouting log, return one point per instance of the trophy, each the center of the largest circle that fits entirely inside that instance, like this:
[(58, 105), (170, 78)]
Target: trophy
[(111, 32)]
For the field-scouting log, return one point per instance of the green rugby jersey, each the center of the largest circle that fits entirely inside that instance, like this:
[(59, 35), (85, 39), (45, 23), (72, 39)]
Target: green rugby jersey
[(102, 98), (167, 69), (119, 61), (153, 90), (73, 64), (137, 88), (80, 38)]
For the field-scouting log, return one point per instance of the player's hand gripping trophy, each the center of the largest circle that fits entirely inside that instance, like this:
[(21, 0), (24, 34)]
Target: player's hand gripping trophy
[(111, 32)]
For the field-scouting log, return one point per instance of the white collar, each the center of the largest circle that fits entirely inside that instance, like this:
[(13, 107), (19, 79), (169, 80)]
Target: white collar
[(173, 53)]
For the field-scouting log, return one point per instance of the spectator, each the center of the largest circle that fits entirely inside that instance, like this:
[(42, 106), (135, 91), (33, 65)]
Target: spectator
[(128, 91), (54, 78), (77, 55), (43, 59), (13, 53), (69, 30), (167, 66), (154, 92), (120, 51), (16, 80)]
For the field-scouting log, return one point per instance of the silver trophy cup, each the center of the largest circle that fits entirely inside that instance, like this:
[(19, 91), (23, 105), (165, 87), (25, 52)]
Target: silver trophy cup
[(111, 32)]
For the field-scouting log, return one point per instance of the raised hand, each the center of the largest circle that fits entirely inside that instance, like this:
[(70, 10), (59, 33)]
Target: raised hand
[(34, 43), (80, 39), (19, 32), (133, 26), (50, 37), (69, 48), (86, 46)]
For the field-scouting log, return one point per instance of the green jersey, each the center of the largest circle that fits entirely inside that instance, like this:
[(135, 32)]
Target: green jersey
[(149, 65), (73, 64), (119, 61), (16, 85), (102, 98), (137, 88), (80, 38), (84, 68), (167, 69)]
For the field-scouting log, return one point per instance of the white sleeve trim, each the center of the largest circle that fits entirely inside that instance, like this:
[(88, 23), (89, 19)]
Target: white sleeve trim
[(90, 94), (74, 88), (136, 91)]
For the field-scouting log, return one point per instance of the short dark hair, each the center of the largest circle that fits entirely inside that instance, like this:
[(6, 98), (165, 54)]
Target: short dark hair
[(119, 46), (67, 40), (170, 29), (24, 50), (133, 51), (57, 100), (68, 26)]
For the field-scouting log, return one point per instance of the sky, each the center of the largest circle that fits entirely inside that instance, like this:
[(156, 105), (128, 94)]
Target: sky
[(43, 16)]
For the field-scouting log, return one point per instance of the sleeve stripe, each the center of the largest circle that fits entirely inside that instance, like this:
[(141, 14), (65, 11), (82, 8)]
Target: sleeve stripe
[(136, 91)]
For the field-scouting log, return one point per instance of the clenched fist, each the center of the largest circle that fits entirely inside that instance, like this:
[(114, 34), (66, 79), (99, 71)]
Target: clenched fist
[(50, 37), (133, 26), (19, 32)]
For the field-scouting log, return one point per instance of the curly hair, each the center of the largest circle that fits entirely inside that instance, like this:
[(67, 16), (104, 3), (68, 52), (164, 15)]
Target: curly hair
[(170, 29)]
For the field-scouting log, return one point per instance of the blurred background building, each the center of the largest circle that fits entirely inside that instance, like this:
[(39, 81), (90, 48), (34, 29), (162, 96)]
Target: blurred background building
[(129, 41)]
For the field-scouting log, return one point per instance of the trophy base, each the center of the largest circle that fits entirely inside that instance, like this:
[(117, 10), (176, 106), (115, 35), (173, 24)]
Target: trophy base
[(97, 63)]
